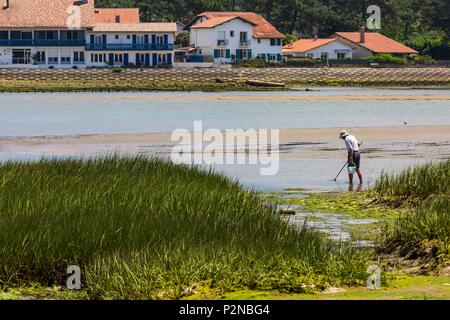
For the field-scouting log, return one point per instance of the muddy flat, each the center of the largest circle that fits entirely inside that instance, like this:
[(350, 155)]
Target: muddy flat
[(308, 136)]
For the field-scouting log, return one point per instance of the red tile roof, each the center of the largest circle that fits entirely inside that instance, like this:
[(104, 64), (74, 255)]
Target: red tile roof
[(108, 15), (262, 28), (43, 14), (376, 42), (214, 22), (305, 45)]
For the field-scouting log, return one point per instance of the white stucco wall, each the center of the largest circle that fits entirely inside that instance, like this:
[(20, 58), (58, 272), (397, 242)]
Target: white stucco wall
[(5, 55), (263, 47), (362, 53)]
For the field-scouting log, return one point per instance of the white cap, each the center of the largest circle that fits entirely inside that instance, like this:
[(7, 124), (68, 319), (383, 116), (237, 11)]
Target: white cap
[(343, 134)]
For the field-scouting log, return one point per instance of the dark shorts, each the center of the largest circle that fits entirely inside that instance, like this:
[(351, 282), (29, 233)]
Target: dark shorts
[(357, 158)]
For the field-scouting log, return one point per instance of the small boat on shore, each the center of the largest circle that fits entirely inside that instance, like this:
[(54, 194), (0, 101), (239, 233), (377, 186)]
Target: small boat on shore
[(259, 83)]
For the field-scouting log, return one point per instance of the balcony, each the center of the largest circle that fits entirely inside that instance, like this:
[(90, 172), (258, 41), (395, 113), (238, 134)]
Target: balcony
[(245, 42), (41, 43), (130, 46), (223, 42)]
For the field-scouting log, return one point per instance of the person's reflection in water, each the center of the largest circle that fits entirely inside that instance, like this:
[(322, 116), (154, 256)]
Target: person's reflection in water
[(360, 188), (352, 189)]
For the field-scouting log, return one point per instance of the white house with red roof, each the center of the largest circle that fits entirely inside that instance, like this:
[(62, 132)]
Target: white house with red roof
[(232, 36), (69, 33), (332, 48), (346, 45)]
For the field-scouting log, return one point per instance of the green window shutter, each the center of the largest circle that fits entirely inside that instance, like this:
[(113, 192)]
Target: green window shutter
[(228, 53), (250, 54), (238, 54), (272, 42), (216, 53), (279, 57), (278, 42)]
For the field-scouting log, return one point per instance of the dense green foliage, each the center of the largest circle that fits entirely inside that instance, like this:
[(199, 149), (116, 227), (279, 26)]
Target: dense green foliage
[(423, 24), (145, 228), (387, 58), (424, 232), (300, 62)]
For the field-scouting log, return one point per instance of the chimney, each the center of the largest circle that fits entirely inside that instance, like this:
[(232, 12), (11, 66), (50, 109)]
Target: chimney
[(316, 37), (362, 34), (5, 4)]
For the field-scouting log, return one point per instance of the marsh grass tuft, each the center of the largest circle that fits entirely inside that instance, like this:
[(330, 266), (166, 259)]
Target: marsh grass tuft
[(415, 184), (144, 228), (424, 232)]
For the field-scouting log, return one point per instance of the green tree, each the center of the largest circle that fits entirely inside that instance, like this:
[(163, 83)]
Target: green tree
[(404, 20)]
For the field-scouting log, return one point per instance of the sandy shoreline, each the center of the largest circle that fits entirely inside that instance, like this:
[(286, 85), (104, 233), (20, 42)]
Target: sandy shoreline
[(391, 133)]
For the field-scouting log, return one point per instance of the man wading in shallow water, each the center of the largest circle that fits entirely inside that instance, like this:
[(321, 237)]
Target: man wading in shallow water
[(354, 155)]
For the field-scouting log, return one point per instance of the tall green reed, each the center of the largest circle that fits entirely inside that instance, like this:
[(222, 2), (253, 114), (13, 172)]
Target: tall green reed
[(146, 228)]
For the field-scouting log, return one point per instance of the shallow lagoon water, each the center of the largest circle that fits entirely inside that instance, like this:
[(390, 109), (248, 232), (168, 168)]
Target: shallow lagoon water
[(30, 114)]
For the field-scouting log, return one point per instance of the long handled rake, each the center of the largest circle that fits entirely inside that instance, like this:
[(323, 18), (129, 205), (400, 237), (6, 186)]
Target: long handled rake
[(335, 179)]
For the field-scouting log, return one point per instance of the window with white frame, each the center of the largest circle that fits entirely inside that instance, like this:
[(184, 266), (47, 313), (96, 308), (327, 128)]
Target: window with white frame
[(341, 55), (21, 56), (39, 57), (98, 58), (65, 60), (161, 58), (53, 59), (78, 57), (243, 38), (221, 53), (246, 54), (118, 58), (272, 57), (140, 39), (324, 55)]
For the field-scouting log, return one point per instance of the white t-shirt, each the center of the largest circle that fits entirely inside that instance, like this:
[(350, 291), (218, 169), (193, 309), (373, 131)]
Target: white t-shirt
[(351, 143)]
